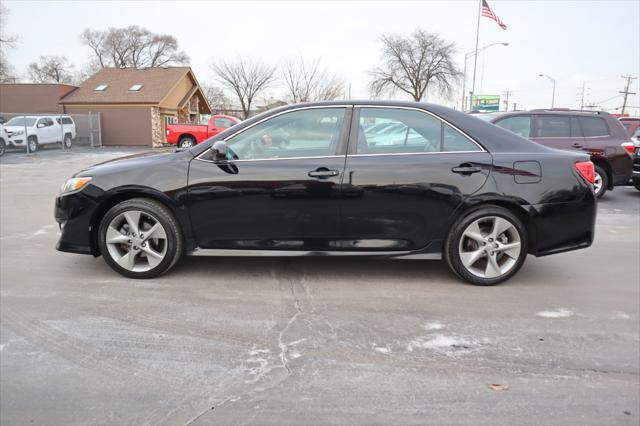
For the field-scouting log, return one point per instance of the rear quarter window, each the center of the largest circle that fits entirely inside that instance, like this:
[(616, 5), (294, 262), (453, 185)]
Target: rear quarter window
[(594, 126)]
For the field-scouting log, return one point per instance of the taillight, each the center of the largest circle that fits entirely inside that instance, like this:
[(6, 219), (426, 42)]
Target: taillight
[(586, 170), (629, 147)]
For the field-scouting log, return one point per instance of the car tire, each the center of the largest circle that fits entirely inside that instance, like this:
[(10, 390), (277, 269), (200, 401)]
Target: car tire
[(482, 255), (67, 141), (3, 147), (128, 251), (636, 183), (32, 141), (601, 181), (187, 142)]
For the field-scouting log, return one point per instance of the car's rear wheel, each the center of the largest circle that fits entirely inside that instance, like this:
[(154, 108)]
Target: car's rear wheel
[(486, 246), (140, 238), (601, 181), (3, 148), (67, 142), (187, 142)]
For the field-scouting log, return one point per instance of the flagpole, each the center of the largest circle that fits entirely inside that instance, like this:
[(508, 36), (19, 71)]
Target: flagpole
[(475, 57)]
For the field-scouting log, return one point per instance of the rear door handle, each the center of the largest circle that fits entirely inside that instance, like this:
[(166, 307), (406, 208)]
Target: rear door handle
[(323, 172), (466, 169)]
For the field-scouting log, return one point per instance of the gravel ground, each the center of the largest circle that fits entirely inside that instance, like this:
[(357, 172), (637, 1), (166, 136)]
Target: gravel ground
[(312, 340)]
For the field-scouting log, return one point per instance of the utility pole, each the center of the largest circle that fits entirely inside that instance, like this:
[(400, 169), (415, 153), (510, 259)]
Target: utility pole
[(626, 91), (507, 93), (582, 92), (515, 106)]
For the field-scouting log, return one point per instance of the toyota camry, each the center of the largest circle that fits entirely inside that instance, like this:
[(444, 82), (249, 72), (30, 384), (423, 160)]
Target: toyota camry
[(372, 178)]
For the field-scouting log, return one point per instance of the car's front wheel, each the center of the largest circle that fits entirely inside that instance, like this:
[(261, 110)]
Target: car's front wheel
[(3, 147), (32, 141), (187, 142), (140, 238), (486, 246), (601, 181)]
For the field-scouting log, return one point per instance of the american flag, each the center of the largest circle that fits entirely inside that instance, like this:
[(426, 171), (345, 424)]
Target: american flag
[(487, 12)]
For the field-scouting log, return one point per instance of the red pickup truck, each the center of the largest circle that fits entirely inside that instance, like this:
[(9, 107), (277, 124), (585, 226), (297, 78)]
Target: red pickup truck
[(186, 135)]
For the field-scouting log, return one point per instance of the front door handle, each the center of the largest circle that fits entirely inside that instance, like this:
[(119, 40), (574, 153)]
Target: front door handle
[(466, 169), (577, 145), (323, 172)]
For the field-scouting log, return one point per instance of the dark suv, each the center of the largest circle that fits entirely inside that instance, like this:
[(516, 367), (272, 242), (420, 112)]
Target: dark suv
[(598, 133)]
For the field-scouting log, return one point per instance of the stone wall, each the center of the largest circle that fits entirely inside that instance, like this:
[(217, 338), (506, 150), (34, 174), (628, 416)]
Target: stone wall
[(157, 136)]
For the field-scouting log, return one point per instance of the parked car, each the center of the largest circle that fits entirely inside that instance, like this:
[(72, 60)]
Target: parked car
[(3, 134), (40, 130), (188, 135), (481, 197), (636, 159), (599, 134), (632, 124)]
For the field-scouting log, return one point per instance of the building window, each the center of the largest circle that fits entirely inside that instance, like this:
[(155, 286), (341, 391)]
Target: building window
[(135, 88), (101, 88), (169, 119)]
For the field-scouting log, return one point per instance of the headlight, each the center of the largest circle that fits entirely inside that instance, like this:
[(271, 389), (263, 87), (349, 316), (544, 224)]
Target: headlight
[(74, 184), (17, 132)]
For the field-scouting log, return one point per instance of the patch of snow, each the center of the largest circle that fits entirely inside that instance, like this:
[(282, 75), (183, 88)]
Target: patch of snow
[(434, 325), (382, 350), (558, 313), (439, 342), (620, 315)]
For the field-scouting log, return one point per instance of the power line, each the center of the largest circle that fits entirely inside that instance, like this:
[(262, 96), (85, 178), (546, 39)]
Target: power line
[(626, 91), (582, 92)]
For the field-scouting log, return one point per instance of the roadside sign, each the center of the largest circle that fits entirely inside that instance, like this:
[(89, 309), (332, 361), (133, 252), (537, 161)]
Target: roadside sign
[(486, 103)]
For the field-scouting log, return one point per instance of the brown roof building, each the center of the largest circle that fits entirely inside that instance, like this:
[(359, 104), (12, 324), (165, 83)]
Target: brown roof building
[(33, 98), (135, 105)]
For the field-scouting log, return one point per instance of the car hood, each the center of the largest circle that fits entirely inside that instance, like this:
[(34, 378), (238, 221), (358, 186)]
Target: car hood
[(136, 162), (11, 129)]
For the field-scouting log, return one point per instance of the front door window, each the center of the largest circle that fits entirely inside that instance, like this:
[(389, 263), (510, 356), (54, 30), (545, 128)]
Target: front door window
[(303, 133)]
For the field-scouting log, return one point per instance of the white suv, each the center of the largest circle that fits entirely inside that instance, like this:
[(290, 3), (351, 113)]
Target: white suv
[(40, 130)]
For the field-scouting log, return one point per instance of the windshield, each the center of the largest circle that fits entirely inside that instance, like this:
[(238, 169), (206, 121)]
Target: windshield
[(19, 121)]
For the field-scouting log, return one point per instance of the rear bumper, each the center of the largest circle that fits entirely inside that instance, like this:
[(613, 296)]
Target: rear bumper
[(561, 227)]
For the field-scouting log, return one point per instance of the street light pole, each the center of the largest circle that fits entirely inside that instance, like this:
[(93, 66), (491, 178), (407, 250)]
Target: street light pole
[(464, 75), (553, 92)]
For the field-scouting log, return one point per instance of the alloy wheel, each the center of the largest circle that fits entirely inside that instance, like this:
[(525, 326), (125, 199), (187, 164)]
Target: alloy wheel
[(597, 183), (490, 247), (136, 241), (33, 145)]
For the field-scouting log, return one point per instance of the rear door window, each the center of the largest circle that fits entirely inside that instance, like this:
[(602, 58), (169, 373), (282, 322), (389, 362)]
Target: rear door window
[(519, 124), (552, 126), (397, 130), (594, 126)]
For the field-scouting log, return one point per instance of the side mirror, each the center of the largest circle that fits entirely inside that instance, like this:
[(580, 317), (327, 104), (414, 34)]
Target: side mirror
[(40, 125), (219, 150)]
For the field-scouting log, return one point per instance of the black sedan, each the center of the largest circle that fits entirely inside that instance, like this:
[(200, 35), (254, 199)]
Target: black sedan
[(392, 179)]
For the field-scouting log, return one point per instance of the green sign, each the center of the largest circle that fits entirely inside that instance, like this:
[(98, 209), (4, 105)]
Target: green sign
[(486, 103)]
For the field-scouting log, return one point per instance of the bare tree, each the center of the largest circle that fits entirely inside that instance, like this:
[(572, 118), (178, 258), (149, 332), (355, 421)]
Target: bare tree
[(308, 82), (415, 63), (133, 46), (246, 78), (216, 97), (7, 41), (51, 69)]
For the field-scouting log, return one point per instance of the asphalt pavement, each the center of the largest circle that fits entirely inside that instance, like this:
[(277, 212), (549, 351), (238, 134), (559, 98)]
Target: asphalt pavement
[(310, 340)]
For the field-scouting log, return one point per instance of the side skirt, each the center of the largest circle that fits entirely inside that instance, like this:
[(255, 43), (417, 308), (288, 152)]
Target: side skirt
[(300, 253)]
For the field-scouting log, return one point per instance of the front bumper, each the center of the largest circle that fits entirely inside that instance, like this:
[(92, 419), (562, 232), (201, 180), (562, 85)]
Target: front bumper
[(74, 213)]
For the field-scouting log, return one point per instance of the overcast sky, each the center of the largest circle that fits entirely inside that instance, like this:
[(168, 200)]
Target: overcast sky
[(572, 41)]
